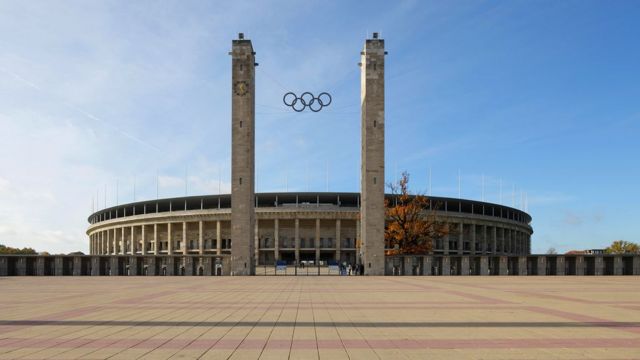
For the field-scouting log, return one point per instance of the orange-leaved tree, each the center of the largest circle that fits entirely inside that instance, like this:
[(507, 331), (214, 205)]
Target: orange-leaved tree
[(411, 224)]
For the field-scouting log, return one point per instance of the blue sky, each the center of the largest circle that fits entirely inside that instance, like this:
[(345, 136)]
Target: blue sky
[(543, 96)]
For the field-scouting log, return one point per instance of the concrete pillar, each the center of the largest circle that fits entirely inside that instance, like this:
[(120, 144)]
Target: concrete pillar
[(133, 266), (207, 264), (560, 266), (522, 266), (218, 238), (188, 265), (95, 266), (338, 239), (599, 265), (77, 266), (4, 266), (143, 235), (256, 243), (408, 265), (151, 266), (276, 240), (372, 164), (296, 239), (503, 266), (170, 264), (427, 264), (446, 266), (21, 266), (115, 242), (542, 265), (617, 265), (358, 242), (169, 240), (155, 239), (317, 241), (200, 238), (445, 241), (242, 156), (123, 243), (464, 266), (484, 265), (58, 263), (472, 239), (133, 240), (460, 238), (39, 266), (108, 242), (115, 269), (580, 265), (184, 244)]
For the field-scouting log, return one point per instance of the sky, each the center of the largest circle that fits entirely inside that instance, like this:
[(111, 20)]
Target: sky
[(537, 100)]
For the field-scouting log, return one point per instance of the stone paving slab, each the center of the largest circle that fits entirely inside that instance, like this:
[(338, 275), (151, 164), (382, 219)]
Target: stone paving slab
[(320, 317)]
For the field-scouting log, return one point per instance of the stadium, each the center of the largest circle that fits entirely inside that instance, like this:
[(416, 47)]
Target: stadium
[(294, 227)]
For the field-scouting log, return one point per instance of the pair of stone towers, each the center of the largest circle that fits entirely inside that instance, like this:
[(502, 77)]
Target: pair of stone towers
[(243, 156)]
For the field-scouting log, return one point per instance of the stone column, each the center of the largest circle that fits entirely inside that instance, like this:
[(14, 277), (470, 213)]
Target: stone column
[(560, 265), (200, 238), (276, 240), (242, 156), (503, 266), (95, 266), (218, 238), (464, 266), (296, 240), (599, 265), (108, 242), (408, 265), (169, 240), (427, 264), (4, 266), (133, 240), (115, 269), (445, 241), (39, 266), (472, 239), (617, 265), (338, 239), (446, 266), (494, 239), (542, 265), (155, 239), (372, 163), (460, 238), (522, 265), (317, 241), (579, 265), (184, 247), (115, 242), (256, 242), (484, 265), (123, 242), (143, 251)]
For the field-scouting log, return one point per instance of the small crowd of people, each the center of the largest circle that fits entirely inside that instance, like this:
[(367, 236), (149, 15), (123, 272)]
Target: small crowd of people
[(351, 269)]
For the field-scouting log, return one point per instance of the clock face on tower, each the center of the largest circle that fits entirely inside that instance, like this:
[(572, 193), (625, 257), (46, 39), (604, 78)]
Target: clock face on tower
[(241, 88)]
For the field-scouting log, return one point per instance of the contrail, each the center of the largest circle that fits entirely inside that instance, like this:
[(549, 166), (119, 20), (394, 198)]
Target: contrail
[(83, 112)]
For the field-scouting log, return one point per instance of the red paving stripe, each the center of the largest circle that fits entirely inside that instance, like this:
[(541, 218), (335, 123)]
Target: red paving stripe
[(282, 344)]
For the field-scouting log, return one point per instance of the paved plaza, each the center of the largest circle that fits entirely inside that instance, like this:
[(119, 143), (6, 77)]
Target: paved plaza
[(326, 317)]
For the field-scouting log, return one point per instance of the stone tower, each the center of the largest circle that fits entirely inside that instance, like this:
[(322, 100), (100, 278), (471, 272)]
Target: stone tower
[(372, 171), (242, 156)]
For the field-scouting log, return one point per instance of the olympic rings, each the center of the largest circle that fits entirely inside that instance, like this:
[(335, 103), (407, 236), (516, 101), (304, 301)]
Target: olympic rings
[(305, 100)]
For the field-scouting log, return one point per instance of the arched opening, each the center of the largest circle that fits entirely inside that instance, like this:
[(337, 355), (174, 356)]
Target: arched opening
[(200, 271)]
